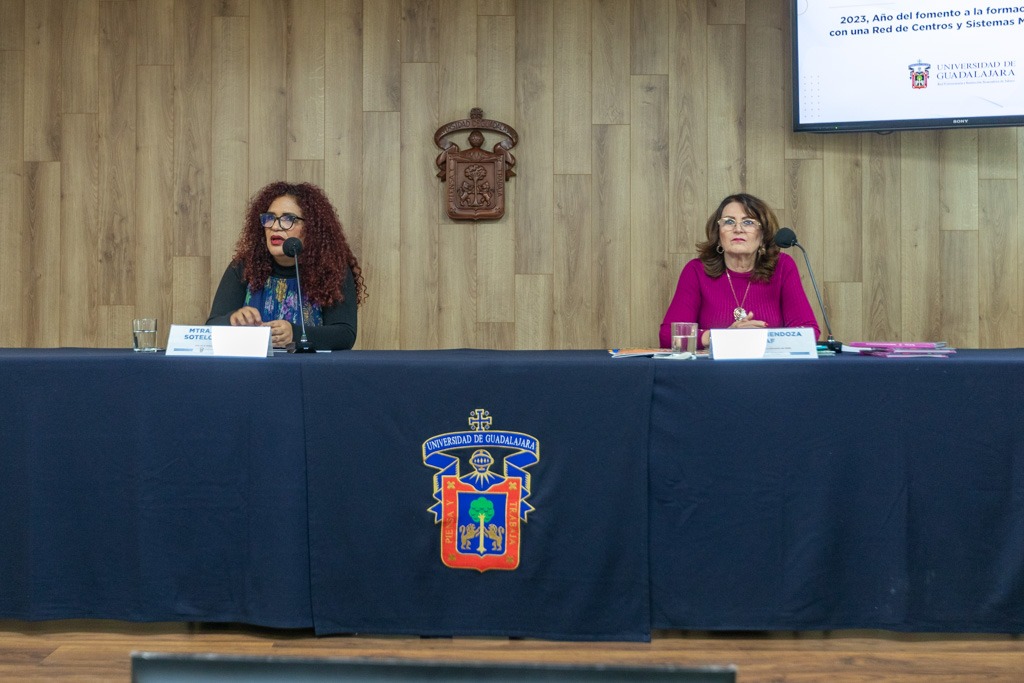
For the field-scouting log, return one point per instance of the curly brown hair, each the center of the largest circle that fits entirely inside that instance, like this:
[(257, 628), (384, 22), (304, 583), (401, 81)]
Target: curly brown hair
[(764, 262), (326, 256)]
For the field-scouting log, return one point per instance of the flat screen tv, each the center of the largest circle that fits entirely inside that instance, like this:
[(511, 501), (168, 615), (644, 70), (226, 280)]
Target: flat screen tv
[(904, 64)]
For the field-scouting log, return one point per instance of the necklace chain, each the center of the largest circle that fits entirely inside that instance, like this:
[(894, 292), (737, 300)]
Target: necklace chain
[(738, 313)]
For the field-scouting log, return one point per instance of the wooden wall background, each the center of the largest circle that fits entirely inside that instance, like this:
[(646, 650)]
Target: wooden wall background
[(133, 132)]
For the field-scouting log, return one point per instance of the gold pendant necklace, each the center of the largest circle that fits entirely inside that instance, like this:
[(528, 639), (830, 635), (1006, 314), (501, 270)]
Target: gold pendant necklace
[(739, 313)]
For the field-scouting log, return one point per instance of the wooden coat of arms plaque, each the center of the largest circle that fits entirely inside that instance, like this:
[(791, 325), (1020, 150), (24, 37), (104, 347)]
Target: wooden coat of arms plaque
[(475, 177)]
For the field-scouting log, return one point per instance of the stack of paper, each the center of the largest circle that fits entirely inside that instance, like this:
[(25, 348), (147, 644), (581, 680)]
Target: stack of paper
[(900, 349), (649, 353), (633, 353)]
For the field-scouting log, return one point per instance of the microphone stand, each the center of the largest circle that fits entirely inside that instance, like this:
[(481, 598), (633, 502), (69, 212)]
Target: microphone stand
[(831, 342), (303, 345)]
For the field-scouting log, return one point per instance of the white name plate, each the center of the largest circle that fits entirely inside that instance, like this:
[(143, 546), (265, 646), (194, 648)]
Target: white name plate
[(224, 341), (766, 343)]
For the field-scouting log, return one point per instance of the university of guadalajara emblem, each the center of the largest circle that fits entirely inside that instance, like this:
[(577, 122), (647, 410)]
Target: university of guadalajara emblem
[(919, 75), (480, 512)]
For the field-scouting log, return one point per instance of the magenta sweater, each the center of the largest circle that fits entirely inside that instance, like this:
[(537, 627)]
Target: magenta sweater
[(780, 302)]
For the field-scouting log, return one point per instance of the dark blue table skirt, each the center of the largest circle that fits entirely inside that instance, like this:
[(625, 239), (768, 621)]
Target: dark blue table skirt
[(292, 492), (374, 546), (141, 487), (842, 493)]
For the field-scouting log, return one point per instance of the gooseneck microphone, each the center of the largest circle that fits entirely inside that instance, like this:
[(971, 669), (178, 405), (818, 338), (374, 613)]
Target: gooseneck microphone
[(786, 238), (293, 247)]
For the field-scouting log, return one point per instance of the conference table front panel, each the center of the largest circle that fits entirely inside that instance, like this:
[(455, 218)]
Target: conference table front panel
[(292, 492), (846, 492), (375, 549), (141, 487)]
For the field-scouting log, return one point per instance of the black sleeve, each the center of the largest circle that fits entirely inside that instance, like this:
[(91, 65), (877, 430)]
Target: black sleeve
[(338, 331), (230, 296)]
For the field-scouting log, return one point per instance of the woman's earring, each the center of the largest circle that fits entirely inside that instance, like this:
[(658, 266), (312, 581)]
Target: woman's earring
[(719, 248)]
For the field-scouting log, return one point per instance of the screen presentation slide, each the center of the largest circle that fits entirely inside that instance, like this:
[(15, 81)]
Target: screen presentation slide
[(908, 59)]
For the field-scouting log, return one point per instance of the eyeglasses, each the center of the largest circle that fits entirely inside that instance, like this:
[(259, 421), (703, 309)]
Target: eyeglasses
[(746, 224), (287, 221)]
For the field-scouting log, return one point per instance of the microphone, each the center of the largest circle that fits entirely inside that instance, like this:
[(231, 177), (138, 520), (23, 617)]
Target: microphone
[(293, 247), (786, 238)]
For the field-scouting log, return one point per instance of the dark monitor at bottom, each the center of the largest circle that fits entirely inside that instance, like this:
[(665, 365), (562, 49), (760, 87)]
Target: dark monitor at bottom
[(156, 667)]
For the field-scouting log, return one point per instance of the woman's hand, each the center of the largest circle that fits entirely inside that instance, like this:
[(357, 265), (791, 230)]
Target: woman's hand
[(247, 316), (748, 323), (280, 332)]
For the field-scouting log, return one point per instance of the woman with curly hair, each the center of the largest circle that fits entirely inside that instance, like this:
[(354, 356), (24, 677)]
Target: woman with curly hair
[(740, 278), (259, 286)]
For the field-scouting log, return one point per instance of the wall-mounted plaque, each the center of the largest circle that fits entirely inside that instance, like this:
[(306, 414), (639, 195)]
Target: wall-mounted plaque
[(475, 177)]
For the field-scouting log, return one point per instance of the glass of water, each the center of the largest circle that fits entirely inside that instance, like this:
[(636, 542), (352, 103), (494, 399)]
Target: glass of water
[(144, 334), (684, 337)]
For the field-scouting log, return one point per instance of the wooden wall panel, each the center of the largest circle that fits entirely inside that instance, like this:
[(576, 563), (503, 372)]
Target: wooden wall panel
[(42, 216), (611, 227), (12, 25), (79, 50), (841, 256), (117, 118), (727, 11), (268, 93), (305, 41), (419, 300), (572, 96), (574, 319), (154, 187), (496, 273), (765, 116), (1020, 254), (688, 126), (805, 212), (958, 263), (958, 168), (382, 65), (193, 71), (13, 287), (156, 39), (726, 109), (306, 171), (79, 277), (999, 266), (649, 27), (136, 130), (42, 124), (12, 109), (419, 30), (881, 211), (921, 248), (456, 325), (997, 155), (496, 336), (379, 319), (845, 302), (230, 140), (500, 7), (495, 71), (650, 278), (13, 196), (115, 326), (610, 61), (191, 302), (534, 113), (343, 116), (457, 47), (534, 303)]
